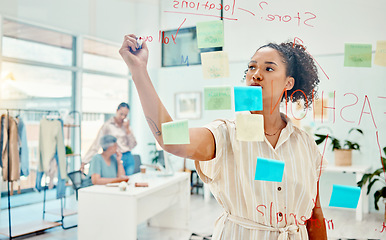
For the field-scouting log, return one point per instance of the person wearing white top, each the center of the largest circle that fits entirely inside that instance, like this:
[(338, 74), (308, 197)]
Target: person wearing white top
[(119, 127)]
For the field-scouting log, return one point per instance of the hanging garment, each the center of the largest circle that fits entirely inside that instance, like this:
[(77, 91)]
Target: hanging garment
[(1, 140), (23, 150), (51, 141), (13, 155)]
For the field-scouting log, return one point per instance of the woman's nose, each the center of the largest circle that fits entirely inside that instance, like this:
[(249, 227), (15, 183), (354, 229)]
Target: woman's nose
[(257, 76)]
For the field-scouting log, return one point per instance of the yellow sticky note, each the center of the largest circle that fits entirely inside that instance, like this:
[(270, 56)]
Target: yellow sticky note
[(176, 132), (320, 110), (210, 34), (215, 64), (249, 127), (380, 54)]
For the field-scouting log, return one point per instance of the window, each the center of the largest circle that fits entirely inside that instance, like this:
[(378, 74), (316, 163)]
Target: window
[(36, 74), (105, 84)]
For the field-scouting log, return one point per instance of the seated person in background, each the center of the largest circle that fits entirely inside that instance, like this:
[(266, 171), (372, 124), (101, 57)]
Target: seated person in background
[(107, 167)]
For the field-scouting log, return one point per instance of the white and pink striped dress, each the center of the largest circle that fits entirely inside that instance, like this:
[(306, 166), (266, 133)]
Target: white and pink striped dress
[(261, 209)]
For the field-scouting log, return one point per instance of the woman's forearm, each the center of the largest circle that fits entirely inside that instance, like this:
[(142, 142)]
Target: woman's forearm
[(103, 181), (316, 226), (155, 112), (121, 170)]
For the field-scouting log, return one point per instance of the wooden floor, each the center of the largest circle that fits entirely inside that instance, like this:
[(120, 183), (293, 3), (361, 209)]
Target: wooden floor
[(203, 216)]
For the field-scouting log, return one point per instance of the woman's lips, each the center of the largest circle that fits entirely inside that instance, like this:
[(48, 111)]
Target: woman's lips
[(256, 85)]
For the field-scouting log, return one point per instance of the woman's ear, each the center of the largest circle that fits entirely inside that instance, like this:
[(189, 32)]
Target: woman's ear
[(290, 82)]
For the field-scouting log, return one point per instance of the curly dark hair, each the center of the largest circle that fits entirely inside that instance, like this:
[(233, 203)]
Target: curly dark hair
[(300, 65)]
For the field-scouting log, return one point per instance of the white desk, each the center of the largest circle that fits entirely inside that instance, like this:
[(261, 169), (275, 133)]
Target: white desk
[(358, 170), (108, 213)]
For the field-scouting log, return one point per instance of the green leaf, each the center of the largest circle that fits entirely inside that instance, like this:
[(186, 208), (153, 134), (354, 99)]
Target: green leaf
[(320, 139), (384, 150), (355, 129), (355, 146), (376, 173), (377, 196), (363, 180), (383, 162), (370, 185), (335, 144)]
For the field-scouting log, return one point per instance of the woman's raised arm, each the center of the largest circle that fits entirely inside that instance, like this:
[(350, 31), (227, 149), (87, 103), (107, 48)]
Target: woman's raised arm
[(202, 145)]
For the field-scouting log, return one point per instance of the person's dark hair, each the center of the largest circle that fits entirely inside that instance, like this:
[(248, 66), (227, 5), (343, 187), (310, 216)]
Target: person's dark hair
[(300, 65), (123, 104)]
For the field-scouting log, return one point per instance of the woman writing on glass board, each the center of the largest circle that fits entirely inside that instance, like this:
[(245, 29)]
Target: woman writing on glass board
[(252, 209)]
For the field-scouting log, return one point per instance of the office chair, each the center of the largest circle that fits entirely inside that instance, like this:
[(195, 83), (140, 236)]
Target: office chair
[(137, 163), (79, 180)]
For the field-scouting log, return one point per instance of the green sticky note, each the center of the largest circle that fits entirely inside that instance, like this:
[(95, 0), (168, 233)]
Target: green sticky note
[(176, 132), (210, 34), (357, 55), (217, 98)]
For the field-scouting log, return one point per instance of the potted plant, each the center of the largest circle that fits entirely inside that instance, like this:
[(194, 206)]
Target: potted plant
[(374, 177), (343, 154), (154, 153)]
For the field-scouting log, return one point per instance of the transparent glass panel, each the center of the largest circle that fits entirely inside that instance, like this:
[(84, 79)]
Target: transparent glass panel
[(31, 87), (102, 56), (30, 42), (104, 64), (27, 50), (101, 96)]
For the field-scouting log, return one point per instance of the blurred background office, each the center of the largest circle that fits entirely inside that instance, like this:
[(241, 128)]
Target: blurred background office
[(60, 60)]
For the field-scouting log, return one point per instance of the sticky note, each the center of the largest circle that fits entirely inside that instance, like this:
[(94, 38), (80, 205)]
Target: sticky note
[(176, 132), (344, 196), (215, 64), (269, 170), (320, 112), (248, 99), (249, 127), (210, 34), (380, 54), (357, 55), (217, 98)]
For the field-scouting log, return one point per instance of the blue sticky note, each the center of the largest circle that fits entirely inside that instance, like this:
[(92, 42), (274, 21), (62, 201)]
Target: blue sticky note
[(269, 170), (248, 99), (344, 196)]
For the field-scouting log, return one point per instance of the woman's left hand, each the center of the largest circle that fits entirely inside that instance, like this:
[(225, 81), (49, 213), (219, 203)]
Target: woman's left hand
[(126, 125)]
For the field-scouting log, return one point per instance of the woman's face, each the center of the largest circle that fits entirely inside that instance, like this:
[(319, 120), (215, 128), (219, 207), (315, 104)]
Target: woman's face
[(268, 70), (121, 114), (112, 149)]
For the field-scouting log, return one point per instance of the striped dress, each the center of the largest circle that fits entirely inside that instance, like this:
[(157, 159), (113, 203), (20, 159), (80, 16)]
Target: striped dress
[(261, 209)]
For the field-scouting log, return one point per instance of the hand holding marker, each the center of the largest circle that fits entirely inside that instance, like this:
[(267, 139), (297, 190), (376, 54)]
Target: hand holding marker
[(139, 45)]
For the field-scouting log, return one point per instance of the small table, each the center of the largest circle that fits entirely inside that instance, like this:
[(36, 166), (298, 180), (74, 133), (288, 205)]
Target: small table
[(108, 213), (358, 170)]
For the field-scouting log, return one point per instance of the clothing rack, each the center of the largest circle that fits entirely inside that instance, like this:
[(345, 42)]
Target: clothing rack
[(30, 228), (64, 212)]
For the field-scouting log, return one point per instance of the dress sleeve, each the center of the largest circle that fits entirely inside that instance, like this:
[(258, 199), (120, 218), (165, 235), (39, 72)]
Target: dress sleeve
[(131, 141), (95, 166), (209, 171)]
